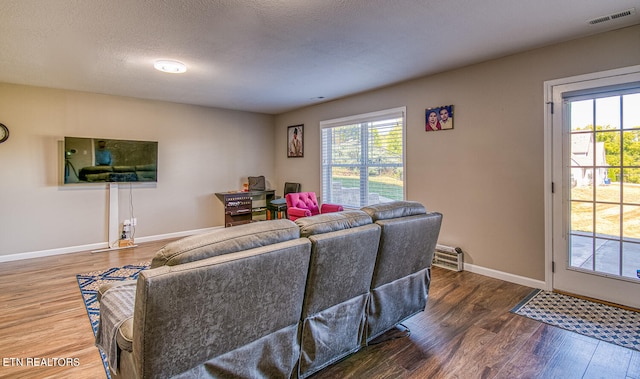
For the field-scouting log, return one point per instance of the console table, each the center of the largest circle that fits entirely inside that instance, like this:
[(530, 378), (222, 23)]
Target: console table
[(242, 207)]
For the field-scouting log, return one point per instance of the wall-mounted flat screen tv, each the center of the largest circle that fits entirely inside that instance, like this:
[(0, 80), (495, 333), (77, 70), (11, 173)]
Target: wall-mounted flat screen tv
[(100, 160)]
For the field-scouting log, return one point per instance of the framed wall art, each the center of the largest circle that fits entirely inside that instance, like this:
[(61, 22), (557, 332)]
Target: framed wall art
[(439, 118), (295, 141)]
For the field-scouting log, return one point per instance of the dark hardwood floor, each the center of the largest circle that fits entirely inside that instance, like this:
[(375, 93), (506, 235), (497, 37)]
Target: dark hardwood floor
[(467, 330)]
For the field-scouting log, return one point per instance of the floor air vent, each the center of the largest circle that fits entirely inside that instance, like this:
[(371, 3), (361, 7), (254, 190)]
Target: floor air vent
[(448, 257)]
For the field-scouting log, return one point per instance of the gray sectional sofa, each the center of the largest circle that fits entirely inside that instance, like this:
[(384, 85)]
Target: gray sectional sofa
[(273, 299)]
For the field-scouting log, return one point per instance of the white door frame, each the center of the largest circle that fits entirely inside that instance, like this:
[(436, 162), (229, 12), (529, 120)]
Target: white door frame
[(548, 155)]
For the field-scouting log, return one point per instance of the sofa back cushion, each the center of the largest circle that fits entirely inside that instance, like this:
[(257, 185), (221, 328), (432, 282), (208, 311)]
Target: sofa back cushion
[(409, 237), (394, 209), (331, 222), (343, 252), (224, 241)]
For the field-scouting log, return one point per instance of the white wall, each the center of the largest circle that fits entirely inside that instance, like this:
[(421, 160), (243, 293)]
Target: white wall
[(486, 175), (201, 151)]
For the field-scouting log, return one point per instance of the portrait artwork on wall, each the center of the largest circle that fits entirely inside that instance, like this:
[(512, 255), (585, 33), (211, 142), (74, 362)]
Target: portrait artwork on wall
[(295, 144), (439, 118)]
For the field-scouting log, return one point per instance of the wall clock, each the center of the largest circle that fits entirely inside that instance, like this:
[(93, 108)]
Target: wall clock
[(4, 133)]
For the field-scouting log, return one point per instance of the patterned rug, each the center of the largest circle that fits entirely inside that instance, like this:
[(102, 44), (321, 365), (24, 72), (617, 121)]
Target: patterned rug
[(604, 322), (89, 284)]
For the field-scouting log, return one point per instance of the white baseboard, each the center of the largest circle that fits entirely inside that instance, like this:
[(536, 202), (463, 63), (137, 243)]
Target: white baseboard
[(97, 246), (185, 233), (50, 252), (524, 281)]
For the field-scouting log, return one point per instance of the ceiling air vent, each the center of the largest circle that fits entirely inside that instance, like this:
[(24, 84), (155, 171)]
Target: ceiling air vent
[(613, 16)]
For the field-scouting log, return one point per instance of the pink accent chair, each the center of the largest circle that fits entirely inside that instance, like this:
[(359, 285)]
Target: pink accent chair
[(305, 204)]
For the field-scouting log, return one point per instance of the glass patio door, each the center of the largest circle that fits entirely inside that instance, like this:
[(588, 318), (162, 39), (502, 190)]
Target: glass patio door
[(596, 239)]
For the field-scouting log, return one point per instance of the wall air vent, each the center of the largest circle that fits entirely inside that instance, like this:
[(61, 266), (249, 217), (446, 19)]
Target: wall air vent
[(448, 257), (613, 16)]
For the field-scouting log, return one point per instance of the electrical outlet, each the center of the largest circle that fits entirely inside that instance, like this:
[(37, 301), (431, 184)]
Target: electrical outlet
[(134, 221)]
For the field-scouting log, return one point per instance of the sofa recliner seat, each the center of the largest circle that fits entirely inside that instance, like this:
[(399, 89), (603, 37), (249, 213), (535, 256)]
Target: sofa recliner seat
[(343, 253), (402, 275)]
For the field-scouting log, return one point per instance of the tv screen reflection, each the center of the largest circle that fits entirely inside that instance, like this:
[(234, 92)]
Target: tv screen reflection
[(99, 160)]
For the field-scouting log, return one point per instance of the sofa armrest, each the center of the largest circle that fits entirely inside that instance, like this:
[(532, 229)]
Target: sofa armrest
[(124, 338), (329, 208), (116, 307), (103, 288), (295, 212)]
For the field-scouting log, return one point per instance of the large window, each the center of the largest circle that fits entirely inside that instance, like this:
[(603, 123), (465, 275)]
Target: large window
[(605, 181), (363, 158)]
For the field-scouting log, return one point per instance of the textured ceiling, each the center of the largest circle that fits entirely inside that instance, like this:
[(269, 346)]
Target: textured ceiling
[(272, 56)]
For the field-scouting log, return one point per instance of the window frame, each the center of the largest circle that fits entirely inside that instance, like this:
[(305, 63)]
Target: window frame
[(365, 121)]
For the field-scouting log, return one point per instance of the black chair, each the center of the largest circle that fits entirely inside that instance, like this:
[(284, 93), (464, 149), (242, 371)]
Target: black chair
[(278, 207)]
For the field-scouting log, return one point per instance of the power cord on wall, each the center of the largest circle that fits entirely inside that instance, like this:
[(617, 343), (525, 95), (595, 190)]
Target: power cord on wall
[(131, 213), (129, 225)]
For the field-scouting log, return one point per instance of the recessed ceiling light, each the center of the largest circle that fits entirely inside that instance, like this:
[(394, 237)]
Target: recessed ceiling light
[(172, 67)]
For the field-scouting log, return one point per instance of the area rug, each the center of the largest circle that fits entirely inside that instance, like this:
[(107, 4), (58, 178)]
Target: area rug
[(601, 321), (89, 284)]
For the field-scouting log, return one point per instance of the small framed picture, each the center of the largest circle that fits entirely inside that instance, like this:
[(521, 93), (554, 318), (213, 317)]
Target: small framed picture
[(295, 141), (439, 118)]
